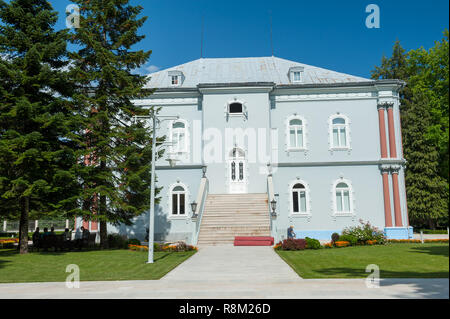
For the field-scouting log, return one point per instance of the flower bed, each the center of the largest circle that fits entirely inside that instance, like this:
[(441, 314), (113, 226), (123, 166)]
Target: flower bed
[(341, 244), (8, 243), (178, 247)]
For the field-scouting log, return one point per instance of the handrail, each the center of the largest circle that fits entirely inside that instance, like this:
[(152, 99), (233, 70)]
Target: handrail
[(201, 199), (271, 194)]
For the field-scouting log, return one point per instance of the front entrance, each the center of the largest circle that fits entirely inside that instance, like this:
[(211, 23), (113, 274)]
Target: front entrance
[(237, 172)]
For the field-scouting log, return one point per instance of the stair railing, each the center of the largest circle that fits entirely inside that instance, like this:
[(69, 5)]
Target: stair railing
[(271, 195), (198, 214)]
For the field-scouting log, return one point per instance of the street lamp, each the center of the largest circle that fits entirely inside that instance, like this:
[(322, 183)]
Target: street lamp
[(273, 204), (151, 227), (194, 209)]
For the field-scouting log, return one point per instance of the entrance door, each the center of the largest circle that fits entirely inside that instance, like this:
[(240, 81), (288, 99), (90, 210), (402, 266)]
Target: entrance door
[(237, 172)]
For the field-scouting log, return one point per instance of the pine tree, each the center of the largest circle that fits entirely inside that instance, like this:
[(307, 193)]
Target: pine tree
[(35, 160), (116, 174), (426, 191)]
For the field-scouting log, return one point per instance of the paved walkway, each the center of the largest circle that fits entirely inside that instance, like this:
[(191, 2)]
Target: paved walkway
[(234, 272)]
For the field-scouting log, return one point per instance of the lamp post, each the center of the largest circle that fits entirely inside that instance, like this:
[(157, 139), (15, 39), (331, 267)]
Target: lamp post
[(194, 209), (172, 161), (273, 204)]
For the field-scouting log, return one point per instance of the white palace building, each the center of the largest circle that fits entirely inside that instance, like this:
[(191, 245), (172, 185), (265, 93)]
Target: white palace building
[(265, 143)]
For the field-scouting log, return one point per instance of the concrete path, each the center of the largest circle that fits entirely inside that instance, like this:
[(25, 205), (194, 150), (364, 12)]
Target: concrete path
[(229, 272), (234, 264)]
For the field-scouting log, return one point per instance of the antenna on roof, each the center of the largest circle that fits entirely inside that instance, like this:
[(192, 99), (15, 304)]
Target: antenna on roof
[(201, 42), (271, 38)]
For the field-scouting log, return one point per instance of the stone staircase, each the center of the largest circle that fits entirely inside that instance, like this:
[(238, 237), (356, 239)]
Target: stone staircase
[(229, 215)]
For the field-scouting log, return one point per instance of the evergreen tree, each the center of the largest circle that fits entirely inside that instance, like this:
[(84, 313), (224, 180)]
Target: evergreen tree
[(116, 174), (426, 191), (35, 160)]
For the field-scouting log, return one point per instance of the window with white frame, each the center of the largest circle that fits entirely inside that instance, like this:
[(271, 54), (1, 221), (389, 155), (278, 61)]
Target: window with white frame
[(299, 199), (343, 198), (339, 132), (179, 137), (178, 201), (296, 132), (175, 79), (296, 74)]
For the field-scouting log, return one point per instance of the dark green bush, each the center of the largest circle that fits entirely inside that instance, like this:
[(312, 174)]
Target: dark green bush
[(133, 241), (117, 241), (350, 238), (312, 243), (334, 237)]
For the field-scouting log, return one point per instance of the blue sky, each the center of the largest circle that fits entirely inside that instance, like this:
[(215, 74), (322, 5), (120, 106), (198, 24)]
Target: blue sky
[(328, 34)]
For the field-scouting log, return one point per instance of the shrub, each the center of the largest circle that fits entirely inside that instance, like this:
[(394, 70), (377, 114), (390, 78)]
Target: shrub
[(293, 244), (117, 241), (365, 232), (134, 241), (334, 237), (312, 243), (350, 238)]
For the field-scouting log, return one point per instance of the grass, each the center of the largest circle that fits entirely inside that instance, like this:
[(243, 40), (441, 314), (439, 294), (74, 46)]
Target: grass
[(394, 260), (95, 265)]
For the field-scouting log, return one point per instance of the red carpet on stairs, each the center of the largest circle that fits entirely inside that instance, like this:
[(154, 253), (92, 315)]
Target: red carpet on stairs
[(253, 241)]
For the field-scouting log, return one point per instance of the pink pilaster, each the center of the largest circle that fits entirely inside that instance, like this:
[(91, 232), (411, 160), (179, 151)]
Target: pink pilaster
[(387, 200), (382, 126), (392, 146), (397, 209)]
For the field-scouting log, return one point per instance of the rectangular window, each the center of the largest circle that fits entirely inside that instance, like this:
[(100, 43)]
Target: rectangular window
[(174, 79), (346, 201), (303, 202), (336, 137), (182, 208), (297, 77), (339, 201), (295, 202), (175, 204)]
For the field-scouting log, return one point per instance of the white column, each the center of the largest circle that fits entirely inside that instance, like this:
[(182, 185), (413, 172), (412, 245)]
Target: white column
[(4, 225), (67, 223)]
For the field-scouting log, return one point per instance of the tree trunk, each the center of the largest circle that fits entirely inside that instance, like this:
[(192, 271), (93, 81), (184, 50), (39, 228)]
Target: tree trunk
[(431, 224), (103, 224), (23, 227)]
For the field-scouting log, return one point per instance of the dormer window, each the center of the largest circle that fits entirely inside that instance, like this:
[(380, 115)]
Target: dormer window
[(296, 74), (176, 78)]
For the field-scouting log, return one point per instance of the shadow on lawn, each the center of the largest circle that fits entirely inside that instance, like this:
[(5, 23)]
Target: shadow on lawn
[(433, 250)]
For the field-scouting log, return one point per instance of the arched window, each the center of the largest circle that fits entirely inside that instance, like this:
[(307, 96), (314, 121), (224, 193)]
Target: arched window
[(235, 108), (179, 136), (296, 134), (300, 198), (339, 132), (178, 201), (343, 198)]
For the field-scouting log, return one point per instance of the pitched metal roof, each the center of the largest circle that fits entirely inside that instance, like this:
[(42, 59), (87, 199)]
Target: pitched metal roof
[(246, 70)]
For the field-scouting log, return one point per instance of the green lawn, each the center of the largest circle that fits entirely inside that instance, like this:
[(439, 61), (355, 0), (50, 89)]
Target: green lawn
[(394, 260), (95, 265)]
